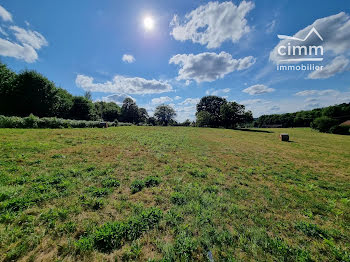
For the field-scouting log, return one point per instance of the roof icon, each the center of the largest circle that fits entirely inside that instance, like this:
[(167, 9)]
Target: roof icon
[(313, 30)]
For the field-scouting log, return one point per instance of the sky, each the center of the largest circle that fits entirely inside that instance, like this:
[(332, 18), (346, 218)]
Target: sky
[(175, 52)]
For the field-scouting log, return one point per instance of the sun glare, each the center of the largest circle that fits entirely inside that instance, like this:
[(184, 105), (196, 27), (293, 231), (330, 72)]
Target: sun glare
[(148, 23)]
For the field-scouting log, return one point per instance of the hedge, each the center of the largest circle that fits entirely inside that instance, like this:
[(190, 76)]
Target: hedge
[(47, 122)]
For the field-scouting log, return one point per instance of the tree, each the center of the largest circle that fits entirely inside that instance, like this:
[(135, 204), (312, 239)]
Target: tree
[(324, 123), (164, 114), (88, 95), (34, 93), (107, 111), (204, 119), (82, 109), (187, 122), (152, 121), (64, 103), (129, 111), (212, 105), (7, 99), (143, 115), (233, 114)]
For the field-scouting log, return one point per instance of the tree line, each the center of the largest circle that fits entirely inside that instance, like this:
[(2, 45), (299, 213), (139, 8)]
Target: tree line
[(29, 92), (325, 119)]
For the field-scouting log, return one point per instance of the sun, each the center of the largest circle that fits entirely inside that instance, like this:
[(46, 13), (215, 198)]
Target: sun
[(148, 23)]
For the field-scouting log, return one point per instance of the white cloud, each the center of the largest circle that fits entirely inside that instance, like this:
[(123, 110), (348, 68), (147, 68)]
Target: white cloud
[(32, 38), (213, 23), (116, 98), (338, 65), (123, 85), (334, 29), (5, 15), (250, 102), (27, 44), (274, 109), (308, 100), (185, 112), (177, 97), (207, 67), (258, 89), (327, 92), (24, 52), (217, 92), (161, 100), (190, 101), (297, 103), (128, 58)]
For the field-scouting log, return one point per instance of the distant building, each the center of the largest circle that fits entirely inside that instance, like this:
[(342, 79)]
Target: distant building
[(346, 123)]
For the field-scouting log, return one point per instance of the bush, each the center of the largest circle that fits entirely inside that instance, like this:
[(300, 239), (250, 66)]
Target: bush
[(340, 130), (11, 122), (31, 121), (47, 122), (323, 124), (137, 186)]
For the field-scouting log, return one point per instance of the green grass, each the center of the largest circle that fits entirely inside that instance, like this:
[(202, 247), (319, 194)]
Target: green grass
[(173, 194)]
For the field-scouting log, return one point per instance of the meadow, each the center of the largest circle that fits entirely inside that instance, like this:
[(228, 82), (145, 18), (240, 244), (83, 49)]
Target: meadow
[(139, 193)]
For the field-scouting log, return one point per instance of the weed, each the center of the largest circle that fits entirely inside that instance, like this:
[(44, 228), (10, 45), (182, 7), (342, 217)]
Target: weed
[(198, 173), (137, 186), (311, 230), (110, 182), (98, 192), (152, 181), (178, 198)]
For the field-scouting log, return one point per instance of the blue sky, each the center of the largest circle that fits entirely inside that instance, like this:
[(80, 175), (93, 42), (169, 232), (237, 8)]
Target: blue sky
[(195, 48)]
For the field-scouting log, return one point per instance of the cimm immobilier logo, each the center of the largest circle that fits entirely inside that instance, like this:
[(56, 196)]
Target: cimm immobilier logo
[(296, 53)]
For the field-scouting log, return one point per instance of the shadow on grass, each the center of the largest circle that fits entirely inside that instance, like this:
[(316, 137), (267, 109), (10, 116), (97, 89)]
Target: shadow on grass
[(253, 130)]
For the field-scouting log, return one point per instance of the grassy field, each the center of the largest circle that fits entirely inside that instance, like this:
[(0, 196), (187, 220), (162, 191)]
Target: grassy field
[(173, 194)]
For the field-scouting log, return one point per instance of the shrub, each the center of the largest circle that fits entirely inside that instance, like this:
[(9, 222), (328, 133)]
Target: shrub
[(47, 122), (137, 186), (31, 121), (178, 198), (340, 130), (151, 181), (124, 124), (11, 122), (323, 124)]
